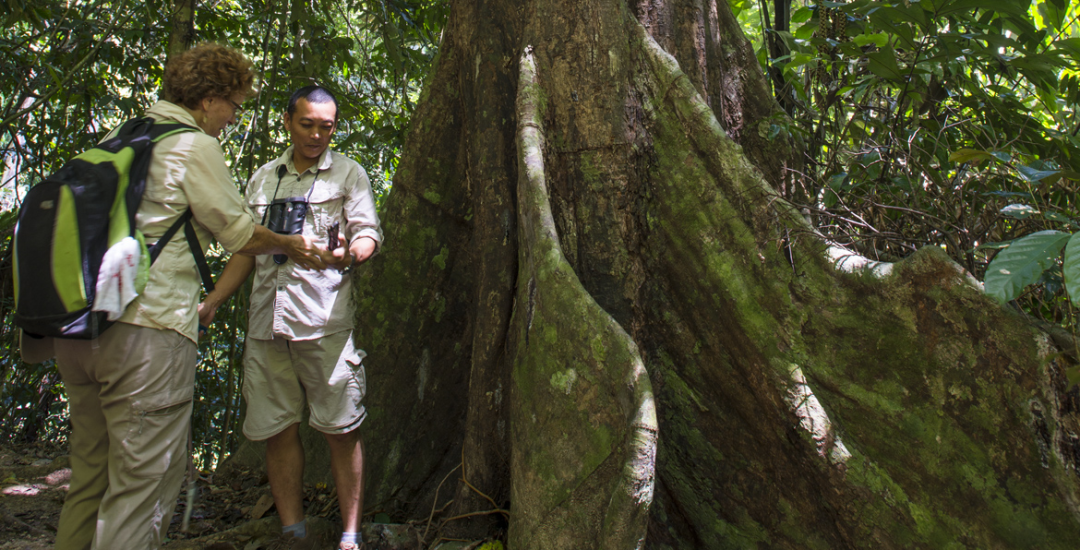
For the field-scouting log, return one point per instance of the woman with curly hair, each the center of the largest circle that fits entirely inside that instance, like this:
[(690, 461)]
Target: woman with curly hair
[(210, 82), (130, 389)]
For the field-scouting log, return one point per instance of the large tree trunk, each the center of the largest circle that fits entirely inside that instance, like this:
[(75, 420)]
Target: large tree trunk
[(596, 324)]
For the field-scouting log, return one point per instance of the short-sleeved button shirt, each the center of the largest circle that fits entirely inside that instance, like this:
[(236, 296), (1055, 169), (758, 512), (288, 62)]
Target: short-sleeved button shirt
[(303, 304), (187, 171)]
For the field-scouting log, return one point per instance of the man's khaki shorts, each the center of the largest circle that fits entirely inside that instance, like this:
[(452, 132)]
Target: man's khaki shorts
[(279, 374)]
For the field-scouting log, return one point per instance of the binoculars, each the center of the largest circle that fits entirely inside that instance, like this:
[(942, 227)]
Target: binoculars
[(286, 217)]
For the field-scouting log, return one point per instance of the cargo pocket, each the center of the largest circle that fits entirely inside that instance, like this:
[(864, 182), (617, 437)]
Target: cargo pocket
[(157, 433), (356, 367)]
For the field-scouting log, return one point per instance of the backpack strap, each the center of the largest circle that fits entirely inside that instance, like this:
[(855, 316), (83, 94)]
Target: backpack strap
[(193, 244), (158, 131), (196, 252)]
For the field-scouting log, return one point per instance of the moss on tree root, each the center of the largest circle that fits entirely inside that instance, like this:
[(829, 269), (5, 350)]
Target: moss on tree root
[(583, 415), (795, 406), (929, 384)]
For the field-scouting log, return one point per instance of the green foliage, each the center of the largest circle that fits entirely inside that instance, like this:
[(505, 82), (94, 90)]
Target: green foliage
[(938, 122), (1023, 262), (74, 70)]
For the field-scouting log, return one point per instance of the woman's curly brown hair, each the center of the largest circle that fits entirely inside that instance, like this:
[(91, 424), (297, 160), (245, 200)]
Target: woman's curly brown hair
[(207, 70)]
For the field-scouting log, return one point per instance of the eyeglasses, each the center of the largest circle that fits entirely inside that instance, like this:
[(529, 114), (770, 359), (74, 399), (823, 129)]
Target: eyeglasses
[(236, 106)]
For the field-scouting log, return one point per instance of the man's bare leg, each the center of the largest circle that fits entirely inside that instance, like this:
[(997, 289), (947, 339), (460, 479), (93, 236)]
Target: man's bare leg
[(285, 468), (347, 465)]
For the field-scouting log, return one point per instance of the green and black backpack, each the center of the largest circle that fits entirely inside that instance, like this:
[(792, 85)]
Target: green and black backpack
[(69, 220)]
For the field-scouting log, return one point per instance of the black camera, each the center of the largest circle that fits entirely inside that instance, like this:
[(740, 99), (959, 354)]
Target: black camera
[(286, 217)]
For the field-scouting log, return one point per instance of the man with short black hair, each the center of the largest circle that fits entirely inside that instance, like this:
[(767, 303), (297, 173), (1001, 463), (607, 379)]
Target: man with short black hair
[(299, 343)]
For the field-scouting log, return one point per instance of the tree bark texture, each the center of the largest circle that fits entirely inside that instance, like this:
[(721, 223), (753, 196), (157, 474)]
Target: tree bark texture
[(596, 324), (182, 21)]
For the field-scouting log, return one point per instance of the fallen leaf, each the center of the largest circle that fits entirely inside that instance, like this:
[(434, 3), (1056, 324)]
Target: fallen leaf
[(260, 508)]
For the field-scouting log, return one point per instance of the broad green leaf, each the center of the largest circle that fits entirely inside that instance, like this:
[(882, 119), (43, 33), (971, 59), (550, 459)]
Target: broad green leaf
[(1022, 263), (1033, 175), (800, 59), (902, 31), (911, 13), (879, 39), (1060, 218), (1072, 45), (1071, 268), (1043, 67), (1002, 156), (902, 182), (801, 15), (1053, 13), (850, 49), (831, 198), (883, 64), (837, 181), (970, 155)]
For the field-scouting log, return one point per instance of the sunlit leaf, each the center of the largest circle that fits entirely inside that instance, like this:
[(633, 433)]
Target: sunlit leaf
[(878, 39), (1022, 263), (1019, 211), (801, 15)]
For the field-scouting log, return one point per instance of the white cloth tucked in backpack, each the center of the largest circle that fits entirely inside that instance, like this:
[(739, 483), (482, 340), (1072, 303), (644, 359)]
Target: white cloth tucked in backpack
[(116, 278)]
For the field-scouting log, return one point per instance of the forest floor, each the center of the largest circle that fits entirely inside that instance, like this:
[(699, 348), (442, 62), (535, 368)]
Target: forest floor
[(232, 511)]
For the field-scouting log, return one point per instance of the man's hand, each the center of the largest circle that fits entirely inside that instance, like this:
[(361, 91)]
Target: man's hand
[(297, 248), (345, 257), (342, 256), (306, 253)]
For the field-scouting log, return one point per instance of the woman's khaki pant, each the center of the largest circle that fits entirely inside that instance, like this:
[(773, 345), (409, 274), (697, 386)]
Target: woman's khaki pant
[(130, 393)]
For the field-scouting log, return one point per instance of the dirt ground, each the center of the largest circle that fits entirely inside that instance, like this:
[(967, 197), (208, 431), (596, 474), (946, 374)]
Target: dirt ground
[(232, 512)]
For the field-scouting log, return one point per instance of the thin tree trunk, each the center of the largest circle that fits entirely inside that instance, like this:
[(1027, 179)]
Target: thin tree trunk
[(182, 22)]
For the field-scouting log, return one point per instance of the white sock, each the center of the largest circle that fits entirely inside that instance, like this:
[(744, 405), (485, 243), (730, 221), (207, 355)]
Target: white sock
[(298, 530)]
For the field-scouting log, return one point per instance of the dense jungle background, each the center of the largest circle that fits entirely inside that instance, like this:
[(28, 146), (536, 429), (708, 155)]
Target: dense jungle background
[(908, 124)]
